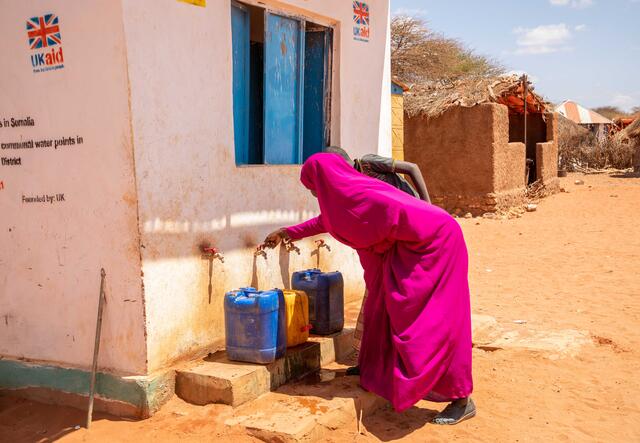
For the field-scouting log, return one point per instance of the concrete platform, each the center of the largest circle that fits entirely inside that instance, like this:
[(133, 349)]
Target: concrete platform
[(308, 410), (219, 380)]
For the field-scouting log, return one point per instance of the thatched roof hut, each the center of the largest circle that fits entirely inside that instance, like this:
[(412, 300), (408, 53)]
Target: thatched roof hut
[(434, 98), (629, 134), (569, 130), (633, 134)]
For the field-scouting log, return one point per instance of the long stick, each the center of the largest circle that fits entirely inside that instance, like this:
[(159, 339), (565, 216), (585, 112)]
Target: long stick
[(525, 92), (96, 347)]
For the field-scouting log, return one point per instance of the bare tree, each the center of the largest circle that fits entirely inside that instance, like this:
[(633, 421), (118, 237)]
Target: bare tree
[(610, 112), (418, 54)]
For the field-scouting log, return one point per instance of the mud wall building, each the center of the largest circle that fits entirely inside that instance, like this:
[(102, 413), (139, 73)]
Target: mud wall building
[(133, 140), (472, 151)]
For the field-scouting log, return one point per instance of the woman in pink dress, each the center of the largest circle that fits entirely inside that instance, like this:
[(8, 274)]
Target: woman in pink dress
[(417, 335)]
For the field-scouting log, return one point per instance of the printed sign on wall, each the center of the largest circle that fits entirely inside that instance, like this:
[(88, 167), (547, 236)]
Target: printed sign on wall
[(45, 43), (360, 21)]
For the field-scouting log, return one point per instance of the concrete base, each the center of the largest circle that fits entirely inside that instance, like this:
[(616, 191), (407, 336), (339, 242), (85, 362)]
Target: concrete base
[(219, 380), (308, 410), (125, 396)]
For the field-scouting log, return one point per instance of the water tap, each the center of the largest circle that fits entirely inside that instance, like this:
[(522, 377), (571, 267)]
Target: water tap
[(290, 246), (260, 252), (322, 244), (213, 254)]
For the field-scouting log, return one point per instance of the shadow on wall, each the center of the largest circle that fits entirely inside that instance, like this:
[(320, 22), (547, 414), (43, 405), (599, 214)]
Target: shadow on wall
[(239, 231), (285, 272), (170, 245)]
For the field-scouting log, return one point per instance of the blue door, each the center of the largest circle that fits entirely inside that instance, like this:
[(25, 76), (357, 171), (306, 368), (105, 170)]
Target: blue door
[(316, 81), (240, 48), (283, 81)]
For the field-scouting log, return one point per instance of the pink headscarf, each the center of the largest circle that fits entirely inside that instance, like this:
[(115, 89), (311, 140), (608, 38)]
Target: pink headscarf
[(358, 210)]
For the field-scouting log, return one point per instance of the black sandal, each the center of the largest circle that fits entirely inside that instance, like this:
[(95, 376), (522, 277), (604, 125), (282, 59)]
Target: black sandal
[(354, 370), (454, 414)]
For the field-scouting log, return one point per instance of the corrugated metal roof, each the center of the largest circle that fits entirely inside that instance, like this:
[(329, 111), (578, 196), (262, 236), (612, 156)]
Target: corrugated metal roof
[(580, 114)]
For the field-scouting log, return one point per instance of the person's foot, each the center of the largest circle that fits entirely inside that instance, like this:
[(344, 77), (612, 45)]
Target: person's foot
[(455, 412), (354, 370)]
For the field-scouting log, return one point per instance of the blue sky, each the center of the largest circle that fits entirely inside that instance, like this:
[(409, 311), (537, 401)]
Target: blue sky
[(584, 50)]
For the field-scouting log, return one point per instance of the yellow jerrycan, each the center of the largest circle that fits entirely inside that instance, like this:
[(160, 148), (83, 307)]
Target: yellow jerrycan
[(297, 314)]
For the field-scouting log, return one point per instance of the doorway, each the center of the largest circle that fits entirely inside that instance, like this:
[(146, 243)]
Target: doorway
[(536, 133)]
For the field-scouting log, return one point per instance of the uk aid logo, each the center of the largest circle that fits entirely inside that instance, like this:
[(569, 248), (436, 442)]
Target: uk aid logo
[(45, 40)]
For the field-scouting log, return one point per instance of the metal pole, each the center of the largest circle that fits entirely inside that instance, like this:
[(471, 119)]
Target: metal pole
[(525, 93), (96, 347)]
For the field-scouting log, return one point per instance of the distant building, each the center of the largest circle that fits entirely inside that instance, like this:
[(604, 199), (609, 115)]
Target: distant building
[(598, 124), (397, 118)]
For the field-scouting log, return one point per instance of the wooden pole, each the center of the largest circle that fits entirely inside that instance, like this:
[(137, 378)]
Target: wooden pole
[(96, 347)]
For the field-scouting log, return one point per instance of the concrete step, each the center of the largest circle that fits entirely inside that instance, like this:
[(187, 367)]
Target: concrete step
[(308, 410), (216, 379)]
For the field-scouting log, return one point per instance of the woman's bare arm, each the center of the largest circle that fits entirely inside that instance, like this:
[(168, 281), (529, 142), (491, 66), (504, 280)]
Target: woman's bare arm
[(413, 171)]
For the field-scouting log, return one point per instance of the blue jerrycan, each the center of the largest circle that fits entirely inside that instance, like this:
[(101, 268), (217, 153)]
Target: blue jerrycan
[(255, 327), (326, 299), (281, 348)]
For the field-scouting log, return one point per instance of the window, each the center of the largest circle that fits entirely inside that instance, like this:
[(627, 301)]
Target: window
[(281, 86)]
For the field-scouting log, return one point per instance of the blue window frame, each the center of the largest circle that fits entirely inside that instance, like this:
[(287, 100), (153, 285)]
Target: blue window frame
[(241, 53), (281, 86)]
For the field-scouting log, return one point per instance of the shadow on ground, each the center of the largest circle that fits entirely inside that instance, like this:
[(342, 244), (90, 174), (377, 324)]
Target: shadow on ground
[(388, 425), (626, 175), (384, 423), (23, 420)]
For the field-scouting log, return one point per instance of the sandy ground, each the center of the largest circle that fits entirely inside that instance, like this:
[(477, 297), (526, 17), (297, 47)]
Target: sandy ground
[(574, 264)]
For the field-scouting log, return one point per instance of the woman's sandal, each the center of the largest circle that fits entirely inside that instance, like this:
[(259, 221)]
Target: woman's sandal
[(354, 370), (454, 414)]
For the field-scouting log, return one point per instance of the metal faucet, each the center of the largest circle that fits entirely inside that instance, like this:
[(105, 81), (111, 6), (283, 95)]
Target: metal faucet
[(212, 254), (290, 246), (260, 251)]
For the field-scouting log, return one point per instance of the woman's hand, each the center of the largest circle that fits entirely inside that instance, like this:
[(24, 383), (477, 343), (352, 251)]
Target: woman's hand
[(275, 238)]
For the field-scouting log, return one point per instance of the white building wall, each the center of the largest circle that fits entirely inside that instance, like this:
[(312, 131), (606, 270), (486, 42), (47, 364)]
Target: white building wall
[(384, 134), (191, 191), (51, 253), (156, 95)]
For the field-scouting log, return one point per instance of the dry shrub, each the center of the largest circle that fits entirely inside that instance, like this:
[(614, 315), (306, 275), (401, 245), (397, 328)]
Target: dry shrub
[(536, 191), (587, 153), (580, 150)]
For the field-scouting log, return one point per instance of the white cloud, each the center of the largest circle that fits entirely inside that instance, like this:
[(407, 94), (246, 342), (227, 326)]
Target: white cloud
[(579, 28), (578, 4), (626, 101), (543, 39), (411, 12)]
